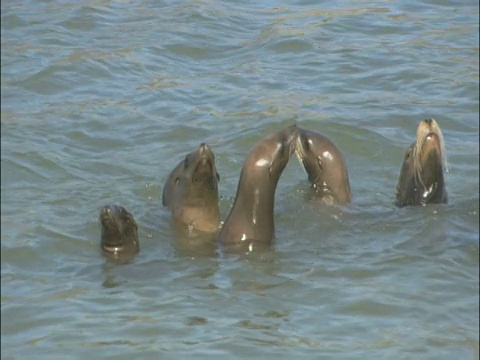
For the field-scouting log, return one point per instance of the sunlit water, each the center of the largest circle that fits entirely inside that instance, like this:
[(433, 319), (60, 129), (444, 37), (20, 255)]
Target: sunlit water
[(101, 99)]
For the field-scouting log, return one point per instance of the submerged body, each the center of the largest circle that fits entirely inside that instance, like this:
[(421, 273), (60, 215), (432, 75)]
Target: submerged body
[(325, 167), (119, 232), (421, 178), (251, 217), (191, 191)]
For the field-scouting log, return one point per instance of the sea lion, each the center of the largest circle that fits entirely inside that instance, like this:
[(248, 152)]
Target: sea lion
[(325, 166), (421, 178), (251, 216), (119, 231), (191, 191)]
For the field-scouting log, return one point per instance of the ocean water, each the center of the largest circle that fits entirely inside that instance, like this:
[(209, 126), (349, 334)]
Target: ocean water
[(100, 100)]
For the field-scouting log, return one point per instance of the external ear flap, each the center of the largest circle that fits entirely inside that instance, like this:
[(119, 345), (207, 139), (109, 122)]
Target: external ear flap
[(177, 179), (218, 177)]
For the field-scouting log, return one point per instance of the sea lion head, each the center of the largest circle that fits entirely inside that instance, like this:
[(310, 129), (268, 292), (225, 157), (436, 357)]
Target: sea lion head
[(199, 172), (191, 191), (325, 166), (195, 176), (119, 231), (421, 178)]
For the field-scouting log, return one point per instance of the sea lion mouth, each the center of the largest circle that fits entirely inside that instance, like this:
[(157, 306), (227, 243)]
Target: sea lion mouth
[(113, 236)]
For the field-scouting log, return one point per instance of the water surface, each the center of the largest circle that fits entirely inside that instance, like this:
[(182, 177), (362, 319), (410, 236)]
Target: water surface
[(101, 99)]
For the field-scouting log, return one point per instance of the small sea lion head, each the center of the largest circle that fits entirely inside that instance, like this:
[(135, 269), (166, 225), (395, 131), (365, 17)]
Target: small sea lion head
[(119, 230), (325, 166)]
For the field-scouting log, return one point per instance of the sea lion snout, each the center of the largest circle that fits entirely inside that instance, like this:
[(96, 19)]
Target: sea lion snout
[(429, 138), (204, 150), (116, 218), (292, 135), (110, 214), (288, 136), (204, 158), (302, 144), (429, 121)]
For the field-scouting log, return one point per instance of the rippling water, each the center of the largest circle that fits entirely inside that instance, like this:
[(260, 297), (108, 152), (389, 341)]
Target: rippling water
[(100, 100)]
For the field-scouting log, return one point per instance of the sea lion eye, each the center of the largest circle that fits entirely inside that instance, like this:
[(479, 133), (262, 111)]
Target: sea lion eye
[(408, 153)]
